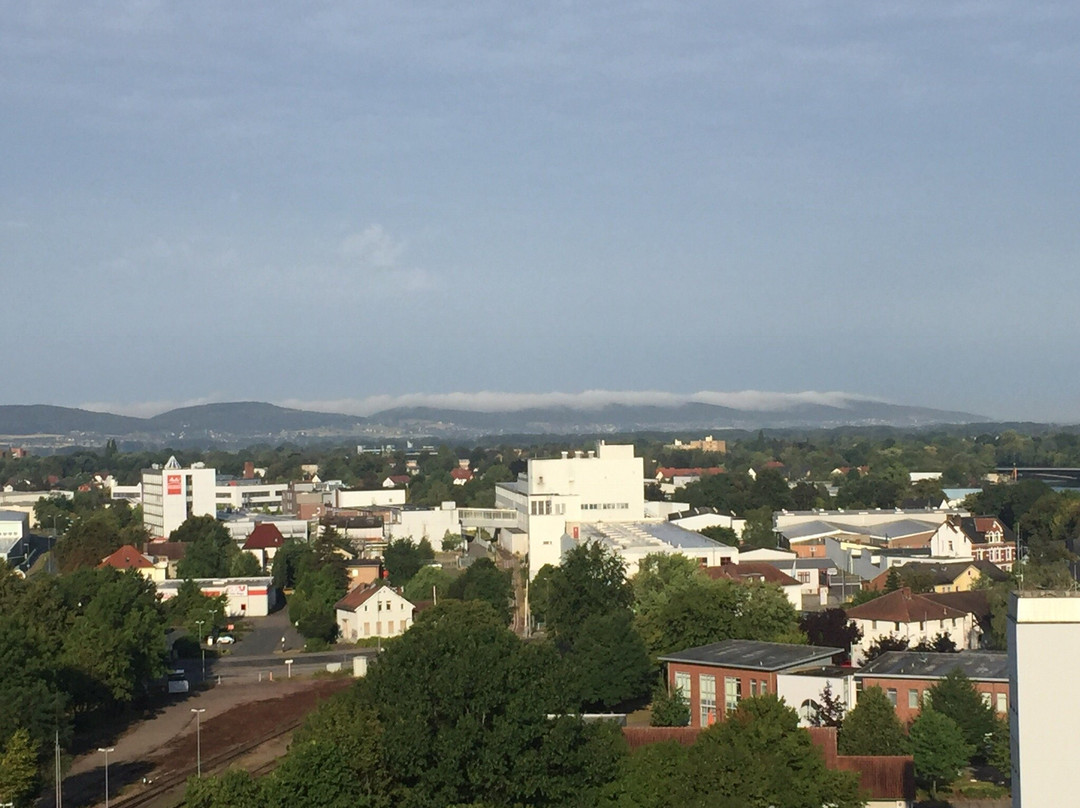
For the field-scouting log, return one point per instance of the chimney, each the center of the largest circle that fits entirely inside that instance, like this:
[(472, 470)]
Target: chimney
[(249, 470)]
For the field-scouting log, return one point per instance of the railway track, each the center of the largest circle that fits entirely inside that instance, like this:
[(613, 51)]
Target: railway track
[(158, 793)]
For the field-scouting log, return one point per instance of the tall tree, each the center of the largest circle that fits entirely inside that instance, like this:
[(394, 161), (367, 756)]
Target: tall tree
[(19, 782), (830, 628), (872, 728), (591, 580), (484, 581), (669, 707), (955, 696), (939, 748)]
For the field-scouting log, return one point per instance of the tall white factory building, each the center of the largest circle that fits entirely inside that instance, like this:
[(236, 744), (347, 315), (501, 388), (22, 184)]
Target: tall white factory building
[(1044, 714), (554, 495), (172, 493)]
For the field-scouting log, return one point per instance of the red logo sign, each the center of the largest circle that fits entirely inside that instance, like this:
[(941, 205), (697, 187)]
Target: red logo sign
[(174, 483)]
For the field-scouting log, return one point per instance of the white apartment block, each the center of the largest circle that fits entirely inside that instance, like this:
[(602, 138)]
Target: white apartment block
[(1044, 717), (249, 495), (605, 485), (171, 494)]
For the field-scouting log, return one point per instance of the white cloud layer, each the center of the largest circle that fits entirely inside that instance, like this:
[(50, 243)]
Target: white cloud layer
[(491, 401)]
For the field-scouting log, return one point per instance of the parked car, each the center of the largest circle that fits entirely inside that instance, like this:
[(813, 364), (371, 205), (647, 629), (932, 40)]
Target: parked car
[(226, 639)]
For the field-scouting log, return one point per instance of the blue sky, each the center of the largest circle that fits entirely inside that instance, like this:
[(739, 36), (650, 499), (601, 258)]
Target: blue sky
[(324, 202)]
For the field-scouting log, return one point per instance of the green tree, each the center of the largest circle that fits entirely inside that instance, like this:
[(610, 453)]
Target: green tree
[(403, 560), (669, 707), (244, 565), (210, 552), (484, 581), (233, 789), (19, 782), (939, 748), (955, 696), (420, 586), (87, 542), (830, 628), (607, 662), (872, 728), (289, 560), (591, 580), (465, 705), (758, 758), (999, 754)]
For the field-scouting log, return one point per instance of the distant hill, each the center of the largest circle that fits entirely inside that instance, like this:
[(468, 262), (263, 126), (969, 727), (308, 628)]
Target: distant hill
[(246, 422)]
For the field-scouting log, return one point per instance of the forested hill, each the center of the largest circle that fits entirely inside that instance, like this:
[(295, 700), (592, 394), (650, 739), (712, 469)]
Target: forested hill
[(252, 421)]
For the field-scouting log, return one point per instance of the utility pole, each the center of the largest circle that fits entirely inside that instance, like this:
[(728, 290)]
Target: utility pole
[(198, 741), (106, 750)]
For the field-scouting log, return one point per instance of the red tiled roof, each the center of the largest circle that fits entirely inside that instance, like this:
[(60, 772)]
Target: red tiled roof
[(126, 558), (461, 474), (399, 479), (360, 595), (265, 535), (752, 571), (902, 606)]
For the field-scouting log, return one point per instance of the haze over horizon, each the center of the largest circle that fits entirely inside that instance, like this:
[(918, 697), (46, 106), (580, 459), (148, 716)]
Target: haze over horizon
[(453, 201)]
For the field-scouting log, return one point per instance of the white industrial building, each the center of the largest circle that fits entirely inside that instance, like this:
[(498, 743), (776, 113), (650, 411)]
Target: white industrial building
[(241, 494), (14, 536), (1044, 717), (349, 498), (422, 523), (242, 525), (605, 485), (244, 597), (632, 541), (172, 493)]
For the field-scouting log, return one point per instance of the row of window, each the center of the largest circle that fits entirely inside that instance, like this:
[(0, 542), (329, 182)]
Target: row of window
[(606, 506), (917, 699), (542, 507), (707, 693)]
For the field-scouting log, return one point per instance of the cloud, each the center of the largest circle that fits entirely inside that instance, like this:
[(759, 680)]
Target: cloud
[(491, 401), (146, 409)]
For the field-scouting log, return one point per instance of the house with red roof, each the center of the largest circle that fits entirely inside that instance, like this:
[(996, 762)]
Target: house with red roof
[(373, 611), (760, 572), (904, 615), (264, 542), (129, 558), (461, 476), (396, 480)]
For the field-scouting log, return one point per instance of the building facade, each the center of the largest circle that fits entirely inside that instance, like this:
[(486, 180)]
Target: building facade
[(171, 494)]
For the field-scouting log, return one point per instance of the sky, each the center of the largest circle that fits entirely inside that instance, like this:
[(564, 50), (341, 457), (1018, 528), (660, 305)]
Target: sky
[(337, 202)]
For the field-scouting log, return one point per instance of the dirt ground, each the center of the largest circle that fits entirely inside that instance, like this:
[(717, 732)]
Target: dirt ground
[(165, 744)]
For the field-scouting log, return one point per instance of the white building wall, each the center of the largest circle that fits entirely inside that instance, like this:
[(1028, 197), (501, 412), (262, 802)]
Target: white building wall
[(798, 691), (171, 495), (260, 495), (1044, 718), (344, 498), (384, 614), (960, 629)]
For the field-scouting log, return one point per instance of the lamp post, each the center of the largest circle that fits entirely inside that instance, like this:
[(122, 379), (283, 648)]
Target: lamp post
[(198, 741), (106, 750), (288, 665), (202, 648)]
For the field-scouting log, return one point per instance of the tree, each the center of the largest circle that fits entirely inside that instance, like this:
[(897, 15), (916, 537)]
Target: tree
[(290, 558), (759, 757), (465, 705), (883, 644), (591, 580), (955, 696), (87, 542), (660, 574), (830, 628), (484, 581), (940, 644), (451, 542), (999, 754), (831, 709), (210, 549), (607, 662), (939, 748), (403, 560), (19, 782), (758, 531), (872, 727), (233, 789), (420, 586), (724, 535), (669, 707)]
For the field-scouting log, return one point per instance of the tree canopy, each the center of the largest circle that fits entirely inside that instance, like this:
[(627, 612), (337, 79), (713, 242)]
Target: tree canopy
[(872, 728)]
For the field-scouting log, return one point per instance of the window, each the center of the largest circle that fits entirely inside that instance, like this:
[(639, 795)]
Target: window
[(913, 699), (682, 684), (732, 692), (753, 688), (891, 693), (707, 699), (987, 699), (764, 686), (1003, 702)]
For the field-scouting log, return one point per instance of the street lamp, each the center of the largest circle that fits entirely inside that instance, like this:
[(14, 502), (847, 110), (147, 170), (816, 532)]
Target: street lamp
[(106, 750), (202, 648), (288, 664), (198, 741)]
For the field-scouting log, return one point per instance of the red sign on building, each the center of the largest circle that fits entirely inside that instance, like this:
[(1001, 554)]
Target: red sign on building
[(174, 485)]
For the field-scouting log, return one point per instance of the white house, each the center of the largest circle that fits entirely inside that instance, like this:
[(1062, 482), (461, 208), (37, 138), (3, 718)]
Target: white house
[(373, 611), (905, 615)]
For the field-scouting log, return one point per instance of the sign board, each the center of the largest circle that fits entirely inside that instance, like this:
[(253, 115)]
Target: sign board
[(174, 483)]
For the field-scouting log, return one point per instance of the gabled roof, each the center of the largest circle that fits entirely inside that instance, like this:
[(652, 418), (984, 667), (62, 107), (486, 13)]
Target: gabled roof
[(461, 474), (359, 596), (976, 528), (902, 606), (127, 558), (399, 479), (265, 536), (752, 571), (754, 655), (172, 550)]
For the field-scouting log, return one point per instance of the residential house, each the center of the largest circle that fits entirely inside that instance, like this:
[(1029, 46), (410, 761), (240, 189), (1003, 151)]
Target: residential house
[(760, 572), (714, 678), (956, 576), (984, 538), (671, 479), (373, 611), (916, 618), (905, 676), (264, 542), (396, 481), (461, 476), (169, 553), (129, 558)]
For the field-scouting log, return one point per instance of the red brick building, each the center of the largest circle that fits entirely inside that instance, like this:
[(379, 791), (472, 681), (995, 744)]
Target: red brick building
[(905, 676), (714, 678)]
